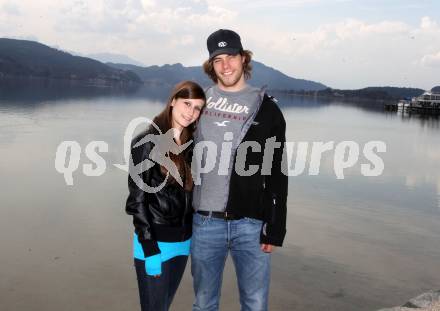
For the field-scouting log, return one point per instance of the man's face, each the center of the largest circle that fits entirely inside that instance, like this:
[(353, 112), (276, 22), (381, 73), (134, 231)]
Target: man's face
[(229, 69)]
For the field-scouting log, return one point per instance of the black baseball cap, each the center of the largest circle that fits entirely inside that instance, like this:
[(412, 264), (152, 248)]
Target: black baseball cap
[(223, 41)]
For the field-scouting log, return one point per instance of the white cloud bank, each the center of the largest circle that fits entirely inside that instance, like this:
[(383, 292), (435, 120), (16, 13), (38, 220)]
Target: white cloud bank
[(432, 60), (350, 53)]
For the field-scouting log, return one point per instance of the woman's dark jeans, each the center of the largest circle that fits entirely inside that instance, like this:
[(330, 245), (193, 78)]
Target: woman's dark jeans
[(156, 294)]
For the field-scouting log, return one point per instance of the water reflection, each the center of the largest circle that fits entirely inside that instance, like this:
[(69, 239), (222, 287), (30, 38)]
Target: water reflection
[(375, 229), (19, 92), (413, 154), (314, 101), (413, 183), (431, 121), (438, 193)]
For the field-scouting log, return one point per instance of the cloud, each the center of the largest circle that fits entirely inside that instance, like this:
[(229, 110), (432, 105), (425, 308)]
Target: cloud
[(349, 52), (155, 32), (9, 14), (140, 16), (352, 53), (10, 8), (428, 25), (262, 4), (431, 60), (332, 35)]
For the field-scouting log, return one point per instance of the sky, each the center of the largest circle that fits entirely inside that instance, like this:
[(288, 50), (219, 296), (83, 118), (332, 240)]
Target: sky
[(341, 43)]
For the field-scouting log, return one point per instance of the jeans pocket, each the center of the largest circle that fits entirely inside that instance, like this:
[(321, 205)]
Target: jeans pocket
[(254, 221), (200, 220)]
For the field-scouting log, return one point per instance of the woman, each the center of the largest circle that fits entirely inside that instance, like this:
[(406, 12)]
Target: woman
[(162, 219)]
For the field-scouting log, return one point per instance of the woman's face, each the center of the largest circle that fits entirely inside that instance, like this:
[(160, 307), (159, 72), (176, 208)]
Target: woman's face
[(185, 111)]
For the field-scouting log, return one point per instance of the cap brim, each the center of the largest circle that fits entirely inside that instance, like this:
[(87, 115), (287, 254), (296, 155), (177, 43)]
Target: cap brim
[(230, 51)]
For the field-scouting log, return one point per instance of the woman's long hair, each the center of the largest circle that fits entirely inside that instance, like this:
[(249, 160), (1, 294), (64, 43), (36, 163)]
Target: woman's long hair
[(184, 90)]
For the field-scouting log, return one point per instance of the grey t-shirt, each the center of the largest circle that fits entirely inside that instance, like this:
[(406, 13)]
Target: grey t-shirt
[(221, 123)]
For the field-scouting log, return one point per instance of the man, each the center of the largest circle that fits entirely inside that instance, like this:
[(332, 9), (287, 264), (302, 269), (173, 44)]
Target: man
[(239, 210)]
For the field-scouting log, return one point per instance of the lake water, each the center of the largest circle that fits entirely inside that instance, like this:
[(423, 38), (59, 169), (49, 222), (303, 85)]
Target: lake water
[(358, 243)]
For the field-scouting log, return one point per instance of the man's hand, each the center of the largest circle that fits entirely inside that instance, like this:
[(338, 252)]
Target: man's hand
[(267, 248)]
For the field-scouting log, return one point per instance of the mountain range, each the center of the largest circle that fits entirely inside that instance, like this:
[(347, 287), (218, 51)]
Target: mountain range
[(262, 75), (113, 58), (30, 59), (382, 93), (24, 58)]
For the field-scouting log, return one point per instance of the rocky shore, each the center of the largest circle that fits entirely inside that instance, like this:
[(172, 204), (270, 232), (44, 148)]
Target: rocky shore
[(429, 301)]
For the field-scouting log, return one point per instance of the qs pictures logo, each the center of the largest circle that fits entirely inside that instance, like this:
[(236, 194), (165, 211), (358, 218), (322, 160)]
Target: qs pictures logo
[(68, 156), (209, 156)]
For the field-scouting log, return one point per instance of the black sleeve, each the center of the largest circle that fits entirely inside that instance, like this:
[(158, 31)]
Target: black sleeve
[(137, 203), (274, 227)]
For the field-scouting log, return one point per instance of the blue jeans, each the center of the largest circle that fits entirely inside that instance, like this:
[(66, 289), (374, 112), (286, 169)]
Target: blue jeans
[(156, 294), (212, 240)]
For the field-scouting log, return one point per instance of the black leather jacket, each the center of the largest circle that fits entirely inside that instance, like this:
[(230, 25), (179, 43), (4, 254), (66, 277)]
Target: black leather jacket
[(162, 216), (261, 196)]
